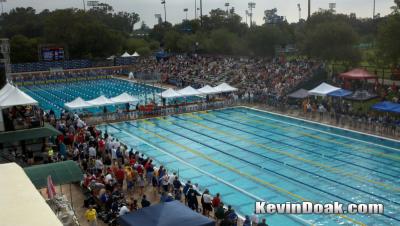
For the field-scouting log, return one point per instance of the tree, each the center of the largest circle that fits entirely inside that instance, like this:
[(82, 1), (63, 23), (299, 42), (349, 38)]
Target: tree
[(388, 39), (332, 41), (263, 40), (23, 49)]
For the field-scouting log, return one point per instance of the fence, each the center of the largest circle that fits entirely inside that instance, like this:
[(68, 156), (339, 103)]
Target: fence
[(156, 112)]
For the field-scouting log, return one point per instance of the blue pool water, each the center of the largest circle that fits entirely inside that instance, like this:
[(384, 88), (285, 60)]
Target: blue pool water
[(53, 96), (248, 155)]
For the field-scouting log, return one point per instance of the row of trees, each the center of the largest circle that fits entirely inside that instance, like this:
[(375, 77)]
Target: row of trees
[(100, 33)]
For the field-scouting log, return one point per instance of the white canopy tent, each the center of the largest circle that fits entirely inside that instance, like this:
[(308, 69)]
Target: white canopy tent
[(15, 97), (189, 91), (136, 54), (225, 88), (208, 90), (100, 101), (123, 98), (78, 103), (126, 54), (20, 202), (7, 88), (170, 93), (323, 89)]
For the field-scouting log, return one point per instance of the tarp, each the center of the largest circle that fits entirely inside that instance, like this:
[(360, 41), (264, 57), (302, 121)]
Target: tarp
[(100, 101), (358, 74), (15, 97), (170, 93), (78, 103), (387, 106), (208, 90), (20, 203), (123, 98), (126, 54), (225, 88), (165, 214), (361, 95), (29, 134), (188, 91), (135, 54), (323, 89), (340, 93), (61, 172), (111, 57), (299, 94)]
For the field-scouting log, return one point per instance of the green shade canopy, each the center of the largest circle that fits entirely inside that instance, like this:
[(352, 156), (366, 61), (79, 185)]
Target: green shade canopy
[(61, 172), (29, 134)]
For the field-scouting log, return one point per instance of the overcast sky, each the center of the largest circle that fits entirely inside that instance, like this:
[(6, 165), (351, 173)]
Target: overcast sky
[(147, 8)]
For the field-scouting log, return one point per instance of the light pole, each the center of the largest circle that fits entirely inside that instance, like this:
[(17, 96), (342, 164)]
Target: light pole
[(247, 14), (201, 13), (2, 9), (309, 9), (195, 9), (186, 11), (252, 5), (165, 10), (299, 7), (373, 11), (84, 5)]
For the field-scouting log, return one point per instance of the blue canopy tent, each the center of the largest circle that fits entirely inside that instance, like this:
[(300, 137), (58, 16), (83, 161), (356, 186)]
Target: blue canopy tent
[(161, 55), (340, 93), (165, 214), (387, 106)]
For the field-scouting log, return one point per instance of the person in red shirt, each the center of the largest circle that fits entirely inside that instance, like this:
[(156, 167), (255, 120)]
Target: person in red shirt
[(216, 201), (101, 146), (120, 175), (140, 169)]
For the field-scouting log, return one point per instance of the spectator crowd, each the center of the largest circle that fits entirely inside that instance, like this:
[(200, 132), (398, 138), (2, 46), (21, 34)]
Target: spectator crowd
[(117, 179)]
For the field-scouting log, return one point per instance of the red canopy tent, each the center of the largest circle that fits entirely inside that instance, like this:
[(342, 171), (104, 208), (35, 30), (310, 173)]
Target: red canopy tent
[(358, 74)]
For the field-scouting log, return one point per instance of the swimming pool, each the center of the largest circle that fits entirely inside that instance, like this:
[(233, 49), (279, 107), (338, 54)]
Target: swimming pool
[(248, 155), (53, 96)]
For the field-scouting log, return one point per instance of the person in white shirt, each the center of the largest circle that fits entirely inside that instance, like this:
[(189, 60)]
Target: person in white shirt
[(124, 210), (108, 178), (207, 203), (114, 153), (99, 165), (171, 181), (92, 152)]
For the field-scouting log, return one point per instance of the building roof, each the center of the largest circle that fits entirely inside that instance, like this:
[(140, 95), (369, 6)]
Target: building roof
[(61, 173), (20, 203), (29, 134)]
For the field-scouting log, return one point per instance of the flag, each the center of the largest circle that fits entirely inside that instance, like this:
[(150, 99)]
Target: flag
[(51, 190)]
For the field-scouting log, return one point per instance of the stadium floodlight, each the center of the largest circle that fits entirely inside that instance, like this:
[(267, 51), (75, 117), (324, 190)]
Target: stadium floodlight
[(227, 7), (165, 10), (251, 5), (93, 3)]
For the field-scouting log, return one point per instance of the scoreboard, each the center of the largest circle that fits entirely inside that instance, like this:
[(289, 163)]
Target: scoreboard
[(52, 53)]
